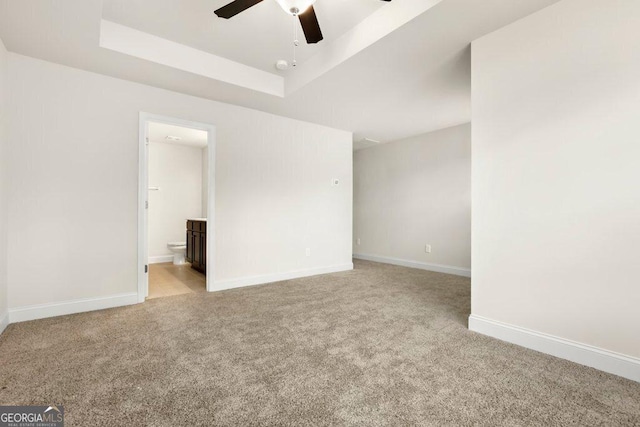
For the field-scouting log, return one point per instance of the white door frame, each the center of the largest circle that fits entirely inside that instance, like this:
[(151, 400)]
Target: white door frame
[(143, 196)]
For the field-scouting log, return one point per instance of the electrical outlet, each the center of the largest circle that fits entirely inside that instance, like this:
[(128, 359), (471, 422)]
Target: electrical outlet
[(308, 252), (427, 249), (358, 241)]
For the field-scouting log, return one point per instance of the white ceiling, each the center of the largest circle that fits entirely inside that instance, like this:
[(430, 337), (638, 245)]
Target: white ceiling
[(414, 80), (158, 132), (326, 55), (257, 37)]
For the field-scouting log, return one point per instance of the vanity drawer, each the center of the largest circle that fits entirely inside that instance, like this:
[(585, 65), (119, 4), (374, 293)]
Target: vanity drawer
[(197, 226)]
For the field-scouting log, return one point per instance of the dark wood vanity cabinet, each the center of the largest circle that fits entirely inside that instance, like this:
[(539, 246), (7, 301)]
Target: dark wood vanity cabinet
[(197, 245)]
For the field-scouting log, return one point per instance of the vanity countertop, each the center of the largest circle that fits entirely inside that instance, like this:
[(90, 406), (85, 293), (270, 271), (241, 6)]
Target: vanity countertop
[(197, 219)]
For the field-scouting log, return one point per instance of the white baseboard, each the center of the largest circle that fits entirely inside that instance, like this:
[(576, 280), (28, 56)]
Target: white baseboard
[(4, 322), (41, 311), (160, 259), (220, 285), (604, 360), (458, 271)]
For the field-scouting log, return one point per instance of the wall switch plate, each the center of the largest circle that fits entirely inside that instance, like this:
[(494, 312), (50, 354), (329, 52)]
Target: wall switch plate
[(308, 252), (358, 241), (427, 249)]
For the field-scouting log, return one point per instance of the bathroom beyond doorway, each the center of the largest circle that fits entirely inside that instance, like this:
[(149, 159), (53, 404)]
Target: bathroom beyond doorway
[(176, 184)]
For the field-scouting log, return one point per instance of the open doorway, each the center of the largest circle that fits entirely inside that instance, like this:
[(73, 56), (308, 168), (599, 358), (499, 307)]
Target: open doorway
[(176, 206)]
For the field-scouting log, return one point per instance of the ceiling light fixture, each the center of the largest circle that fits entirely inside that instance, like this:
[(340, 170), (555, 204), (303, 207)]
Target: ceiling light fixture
[(295, 7), (282, 65)]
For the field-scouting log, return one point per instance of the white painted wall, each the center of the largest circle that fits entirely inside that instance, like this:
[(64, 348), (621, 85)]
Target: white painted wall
[(73, 193), (556, 174), (4, 95), (415, 192), (177, 171)]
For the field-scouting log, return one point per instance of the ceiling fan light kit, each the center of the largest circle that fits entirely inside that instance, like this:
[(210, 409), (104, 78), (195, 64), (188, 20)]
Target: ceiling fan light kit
[(295, 7), (282, 65), (302, 9)]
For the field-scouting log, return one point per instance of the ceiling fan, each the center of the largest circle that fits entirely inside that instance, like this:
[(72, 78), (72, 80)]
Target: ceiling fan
[(303, 9)]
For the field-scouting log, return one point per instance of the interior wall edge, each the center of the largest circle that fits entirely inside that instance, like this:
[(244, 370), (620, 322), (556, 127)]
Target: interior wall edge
[(4, 322), (594, 357), (42, 311), (160, 259), (438, 268), (224, 284)]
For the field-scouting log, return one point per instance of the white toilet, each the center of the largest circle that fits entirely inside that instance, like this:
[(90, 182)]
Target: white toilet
[(178, 249)]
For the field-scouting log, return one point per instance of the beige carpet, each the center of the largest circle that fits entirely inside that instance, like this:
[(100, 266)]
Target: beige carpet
[(378, 346)]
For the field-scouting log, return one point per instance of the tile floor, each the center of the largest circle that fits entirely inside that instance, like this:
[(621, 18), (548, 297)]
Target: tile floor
[(167, 280)]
